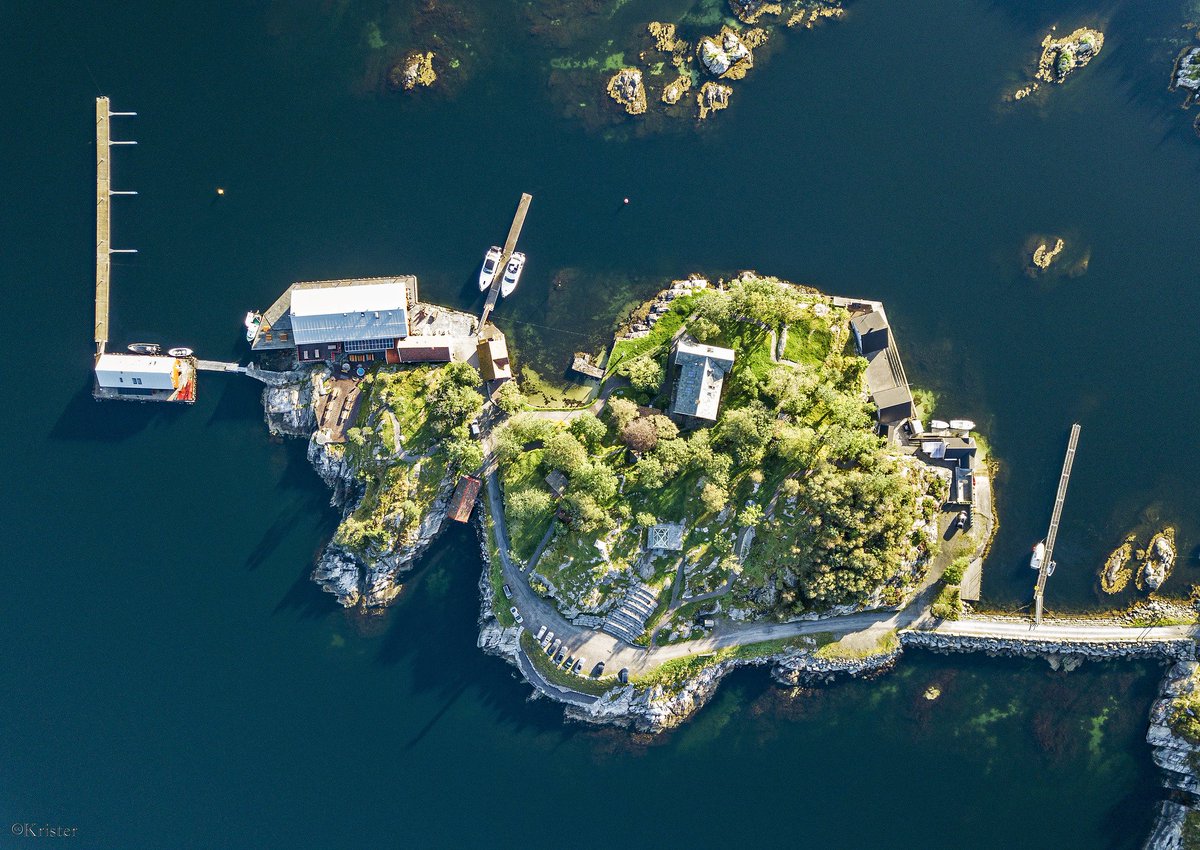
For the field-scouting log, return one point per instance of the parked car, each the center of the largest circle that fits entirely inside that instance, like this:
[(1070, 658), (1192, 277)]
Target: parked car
[(558, 659), (623, 676), (516, 615), (567, 664), (960, 521), (507, 592), (598, 670), (578, 666), (540, 633)]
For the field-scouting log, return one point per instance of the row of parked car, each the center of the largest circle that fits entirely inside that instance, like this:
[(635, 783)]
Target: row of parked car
[(553, 647)]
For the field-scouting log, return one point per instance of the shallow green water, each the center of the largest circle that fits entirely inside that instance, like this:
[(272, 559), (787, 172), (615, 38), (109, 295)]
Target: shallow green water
[(177, 681)]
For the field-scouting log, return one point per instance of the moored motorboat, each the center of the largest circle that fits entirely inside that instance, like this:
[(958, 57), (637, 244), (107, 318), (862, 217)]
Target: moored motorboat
[(939, 425), (144, 347), (1039, 555), (253, 321), (491, 265), (962, 424), (512, 273), (180, 352)]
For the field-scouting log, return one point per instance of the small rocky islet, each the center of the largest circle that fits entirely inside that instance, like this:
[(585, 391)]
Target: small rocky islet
[(1186, 76), (1149, 568), (1062, 57), (669, 67)]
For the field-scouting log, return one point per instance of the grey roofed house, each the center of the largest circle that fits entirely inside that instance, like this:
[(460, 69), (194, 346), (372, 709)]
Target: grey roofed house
[(702, 370), (666, 537), (278, 330), (350, 311), (885, 376)]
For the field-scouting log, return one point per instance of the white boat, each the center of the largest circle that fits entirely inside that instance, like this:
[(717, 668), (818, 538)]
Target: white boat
[(253, 321), (491, 265), (1050, 569), (939, 425), (180, 352), (512, 273), (1039, 555), (144, 347), (962, 424)]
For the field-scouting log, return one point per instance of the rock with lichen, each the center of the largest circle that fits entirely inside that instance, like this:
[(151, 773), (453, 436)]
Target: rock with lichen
[(415, 69), (1118, 569), (810, 13), (663, 35), (627, 89), (1044, 255), (1186, 74), (725, 56), (1158, 560), (712, 97), (674, 91)]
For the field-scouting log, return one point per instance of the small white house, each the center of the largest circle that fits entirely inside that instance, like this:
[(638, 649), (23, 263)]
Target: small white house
[(134, 372)]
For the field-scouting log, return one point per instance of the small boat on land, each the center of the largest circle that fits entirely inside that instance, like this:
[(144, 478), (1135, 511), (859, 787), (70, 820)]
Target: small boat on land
[(962, 424), (253, 321), (144, 347), (491, 265), (939, 425), (512, 274), (180, 352), (1039, 555)]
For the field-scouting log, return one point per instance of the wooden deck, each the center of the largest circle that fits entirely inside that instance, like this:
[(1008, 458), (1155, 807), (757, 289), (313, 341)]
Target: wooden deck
[(1060, 496), (103, 203), (510, 245)]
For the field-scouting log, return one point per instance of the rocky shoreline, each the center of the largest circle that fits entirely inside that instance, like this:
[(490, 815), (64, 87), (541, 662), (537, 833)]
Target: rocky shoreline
[(365, 579), (1178, 758)]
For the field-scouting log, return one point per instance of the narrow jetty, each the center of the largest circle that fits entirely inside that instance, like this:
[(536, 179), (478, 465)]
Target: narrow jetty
[(510, 245), (1047, 562), (103, 212)]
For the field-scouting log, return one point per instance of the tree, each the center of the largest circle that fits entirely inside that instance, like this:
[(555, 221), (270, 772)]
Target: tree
[(751, 515), (674, 455), (465, 454), (589, 430), (704, 329), (646, 519), (789, 488), (597, 480), (644, 372), (640, 435), (664, 427), (714, 498), (622, 410), (649, 473), (454, 398), (509, 398), (526, 503), (565, 453), (745, 432), (588, 515), (717, 466)]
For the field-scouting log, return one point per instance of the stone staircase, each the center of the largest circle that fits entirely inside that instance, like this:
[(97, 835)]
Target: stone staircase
[(628, 620)]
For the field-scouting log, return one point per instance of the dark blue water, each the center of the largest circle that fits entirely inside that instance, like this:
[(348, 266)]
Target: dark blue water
[(176, 680)]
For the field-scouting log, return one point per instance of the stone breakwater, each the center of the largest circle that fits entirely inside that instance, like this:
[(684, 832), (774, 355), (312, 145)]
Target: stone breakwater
[(1177, 757), (1183, 648)]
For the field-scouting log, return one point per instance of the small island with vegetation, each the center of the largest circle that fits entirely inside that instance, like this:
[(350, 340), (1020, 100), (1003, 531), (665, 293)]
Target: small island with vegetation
[(1062, 57)]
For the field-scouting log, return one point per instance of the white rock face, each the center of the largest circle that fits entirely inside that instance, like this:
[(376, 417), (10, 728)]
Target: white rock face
[(289, 406)]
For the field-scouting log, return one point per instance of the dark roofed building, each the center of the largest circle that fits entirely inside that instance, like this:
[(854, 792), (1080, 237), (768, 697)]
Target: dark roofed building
[(557, 482), (463, 500), (702, 369), (885, 376), (493, 357)]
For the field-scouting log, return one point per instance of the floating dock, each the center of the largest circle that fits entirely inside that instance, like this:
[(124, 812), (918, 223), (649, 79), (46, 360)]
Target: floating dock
[(103, 212), (510, 245), (1047, 563)]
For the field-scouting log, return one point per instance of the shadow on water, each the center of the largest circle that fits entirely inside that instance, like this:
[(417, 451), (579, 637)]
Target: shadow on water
[(239, 400), (85, 418)]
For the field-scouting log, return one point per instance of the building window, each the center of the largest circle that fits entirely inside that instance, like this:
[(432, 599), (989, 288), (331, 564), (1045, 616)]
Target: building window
[(137, 380), (283, 336), (268, 336)]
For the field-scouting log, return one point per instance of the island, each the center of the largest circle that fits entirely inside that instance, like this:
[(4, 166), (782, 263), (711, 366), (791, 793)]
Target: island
[(1061, 57)]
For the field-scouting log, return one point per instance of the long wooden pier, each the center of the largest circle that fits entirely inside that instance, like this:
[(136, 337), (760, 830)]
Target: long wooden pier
[(104, 194), (510, 245), (103, 203), (1047, 562)]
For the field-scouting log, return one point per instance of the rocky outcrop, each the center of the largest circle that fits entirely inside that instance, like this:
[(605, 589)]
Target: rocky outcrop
[(413, 71), (1044, 255), (1118, 568), (1158, 560), (288, 407), (1186, 74), (674, 91), (1062, 57), (726, 55), (368, 577), (627, 89), (712, 98), (1176, 756)]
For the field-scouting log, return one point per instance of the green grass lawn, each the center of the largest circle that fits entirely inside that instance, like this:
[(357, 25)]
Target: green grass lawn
[(524, 535), (659, 335), (809, 341)]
